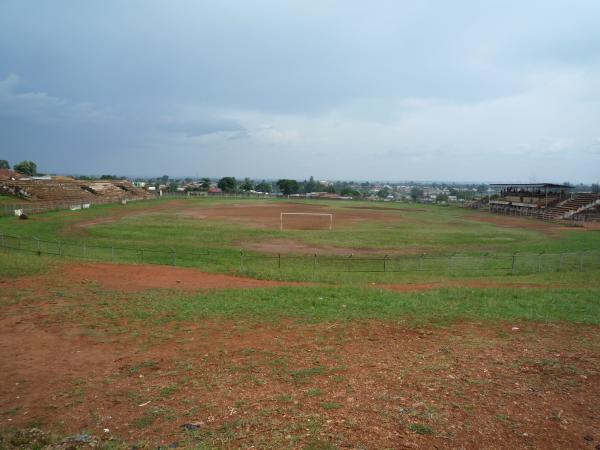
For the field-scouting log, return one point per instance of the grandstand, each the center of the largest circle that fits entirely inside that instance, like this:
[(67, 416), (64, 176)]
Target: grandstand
[(64, 190), (542, 200)]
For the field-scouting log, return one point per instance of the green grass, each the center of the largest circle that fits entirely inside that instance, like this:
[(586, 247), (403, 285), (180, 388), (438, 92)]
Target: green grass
[(420, 428), (214, 246), (432, 229), (334, 304), (18, 264)]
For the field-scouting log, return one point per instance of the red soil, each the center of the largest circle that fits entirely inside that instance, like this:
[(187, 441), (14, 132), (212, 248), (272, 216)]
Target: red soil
[(267, 215), (70, 362), (534, 388), (131, 278)]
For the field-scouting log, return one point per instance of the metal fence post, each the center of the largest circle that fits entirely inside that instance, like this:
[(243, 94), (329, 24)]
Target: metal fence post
[(142, 255), (384, 263), (2, 240), (314, 264), (349, 260), (581, 261), (39, 250), (540, 261), (112, 254), (242, 260), (560, 262), (420, 262), (279, 261), (450, 262), (84, 250), (512, 267)]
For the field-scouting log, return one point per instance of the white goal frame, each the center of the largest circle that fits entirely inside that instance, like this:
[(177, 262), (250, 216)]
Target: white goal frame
[(305, 214)]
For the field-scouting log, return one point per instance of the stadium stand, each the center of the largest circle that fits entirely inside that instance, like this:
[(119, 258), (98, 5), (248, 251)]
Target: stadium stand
[(64, 190)]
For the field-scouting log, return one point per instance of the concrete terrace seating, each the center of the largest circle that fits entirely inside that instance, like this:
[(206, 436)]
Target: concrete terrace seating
[(569, 207), (70, 190)]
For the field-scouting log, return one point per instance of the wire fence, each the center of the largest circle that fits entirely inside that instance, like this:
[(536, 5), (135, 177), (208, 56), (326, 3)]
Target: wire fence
[(231, 260), (42, 207)]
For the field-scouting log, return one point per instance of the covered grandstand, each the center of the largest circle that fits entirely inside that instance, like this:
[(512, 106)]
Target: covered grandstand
[(542, 200)]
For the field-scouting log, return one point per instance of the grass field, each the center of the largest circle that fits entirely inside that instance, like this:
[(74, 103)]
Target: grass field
[(298, 358)]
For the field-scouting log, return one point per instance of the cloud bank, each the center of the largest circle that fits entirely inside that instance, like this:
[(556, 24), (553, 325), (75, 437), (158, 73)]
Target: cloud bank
[(391, 90)]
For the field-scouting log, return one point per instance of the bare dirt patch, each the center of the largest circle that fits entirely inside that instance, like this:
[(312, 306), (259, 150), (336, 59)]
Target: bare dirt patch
[(355, 385), (132, 278), (267, 215)]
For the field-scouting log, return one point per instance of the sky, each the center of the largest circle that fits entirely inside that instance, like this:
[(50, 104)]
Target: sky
[(479, 90)]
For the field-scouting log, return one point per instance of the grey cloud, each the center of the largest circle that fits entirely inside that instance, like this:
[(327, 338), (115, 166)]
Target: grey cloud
[(346, 89)]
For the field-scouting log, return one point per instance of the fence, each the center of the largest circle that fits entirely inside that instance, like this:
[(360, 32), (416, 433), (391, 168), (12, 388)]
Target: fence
[(230, 260), (41, 207)]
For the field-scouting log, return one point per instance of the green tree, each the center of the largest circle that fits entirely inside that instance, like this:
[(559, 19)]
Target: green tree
[(227, 184), (263, 186), (288, 187), (349, 192), (4, 164), (205, 183), (441, 198), (416, 193), (330, 189), (311, 185), (26, 168), (383, 193), (247, 184)]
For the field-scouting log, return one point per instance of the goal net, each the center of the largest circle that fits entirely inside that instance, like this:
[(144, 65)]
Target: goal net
[(305, 221)]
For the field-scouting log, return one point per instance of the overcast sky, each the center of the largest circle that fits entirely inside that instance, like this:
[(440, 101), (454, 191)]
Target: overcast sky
[(390, 90)]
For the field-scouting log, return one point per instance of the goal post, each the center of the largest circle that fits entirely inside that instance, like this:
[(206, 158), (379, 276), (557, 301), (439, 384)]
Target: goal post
[(282, 215)]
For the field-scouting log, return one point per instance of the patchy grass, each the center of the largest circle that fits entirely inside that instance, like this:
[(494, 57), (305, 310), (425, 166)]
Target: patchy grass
[(321, 303), (420, 428)]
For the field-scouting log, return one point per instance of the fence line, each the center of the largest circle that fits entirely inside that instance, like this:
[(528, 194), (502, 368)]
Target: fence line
[(41, 207), (227, 260)]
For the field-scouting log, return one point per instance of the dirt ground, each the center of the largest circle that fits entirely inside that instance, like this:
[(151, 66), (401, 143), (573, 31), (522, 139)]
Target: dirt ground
[(136, 278), (267, 215), (274, 385), (133, 278)]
